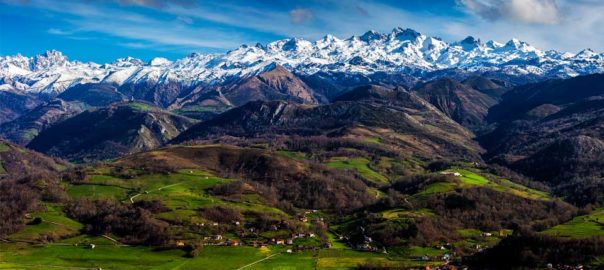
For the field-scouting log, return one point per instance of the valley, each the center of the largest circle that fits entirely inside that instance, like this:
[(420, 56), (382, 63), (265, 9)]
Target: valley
[(306, 155)]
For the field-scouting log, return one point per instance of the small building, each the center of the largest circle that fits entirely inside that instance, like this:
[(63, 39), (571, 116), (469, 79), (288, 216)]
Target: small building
[(180, 243), (451, 173), (280, 242), (232, 243), (289, 241), (217, 237)]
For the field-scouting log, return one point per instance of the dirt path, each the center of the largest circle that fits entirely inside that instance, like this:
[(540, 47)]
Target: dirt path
[(264, 259), (132, 198), (147, 192), (111, 239)]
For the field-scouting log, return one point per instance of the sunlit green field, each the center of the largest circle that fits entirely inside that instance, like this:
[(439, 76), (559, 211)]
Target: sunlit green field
[(65, 256), (360, 165), (470, 179), (186, 191), (591, 225)]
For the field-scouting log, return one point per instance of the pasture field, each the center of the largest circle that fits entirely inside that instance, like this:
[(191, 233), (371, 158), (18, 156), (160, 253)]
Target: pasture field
[(108, 256), (591, 225), (375, 140), (140, 106), (97, 192), (50, 222), (470, 179), (4, 147), (361, 165)]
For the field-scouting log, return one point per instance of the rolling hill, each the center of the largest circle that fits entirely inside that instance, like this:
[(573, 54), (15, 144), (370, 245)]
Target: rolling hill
[(17, 162), (410, 124), (110, 132), (553, 132)]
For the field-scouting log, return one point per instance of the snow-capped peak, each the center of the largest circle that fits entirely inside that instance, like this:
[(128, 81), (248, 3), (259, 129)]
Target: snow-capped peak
[(470, 43), (128, 61), (49, 59), (516, 44), (404, 34), (400, 51), (587, 53), (371, 35), (159, 61)]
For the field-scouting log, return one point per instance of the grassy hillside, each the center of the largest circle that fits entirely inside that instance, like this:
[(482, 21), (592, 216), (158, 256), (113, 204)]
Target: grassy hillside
[(586, 226), (360, 165), (185, 207)]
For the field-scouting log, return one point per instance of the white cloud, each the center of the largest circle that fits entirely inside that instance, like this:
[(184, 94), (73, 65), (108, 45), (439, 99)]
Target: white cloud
[(83, 18), (57, 31), (528, 11), (567, 25), (301, 15)]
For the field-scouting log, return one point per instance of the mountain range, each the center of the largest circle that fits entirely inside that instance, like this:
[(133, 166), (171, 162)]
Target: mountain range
[(402, 51), (403, 146)]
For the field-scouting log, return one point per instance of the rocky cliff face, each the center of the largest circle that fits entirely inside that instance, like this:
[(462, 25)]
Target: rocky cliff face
[(462, 103)]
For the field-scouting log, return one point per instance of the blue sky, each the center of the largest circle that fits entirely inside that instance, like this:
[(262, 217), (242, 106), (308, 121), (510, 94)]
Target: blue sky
[(103, 30)]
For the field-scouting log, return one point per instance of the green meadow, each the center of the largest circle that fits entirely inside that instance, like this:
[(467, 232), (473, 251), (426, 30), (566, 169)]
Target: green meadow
[(470, 179), (108, 256), (591, 225), (52, 222), (361, 165)]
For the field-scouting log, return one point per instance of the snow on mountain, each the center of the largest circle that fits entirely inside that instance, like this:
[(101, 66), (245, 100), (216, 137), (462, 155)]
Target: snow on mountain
[(402, 50)]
